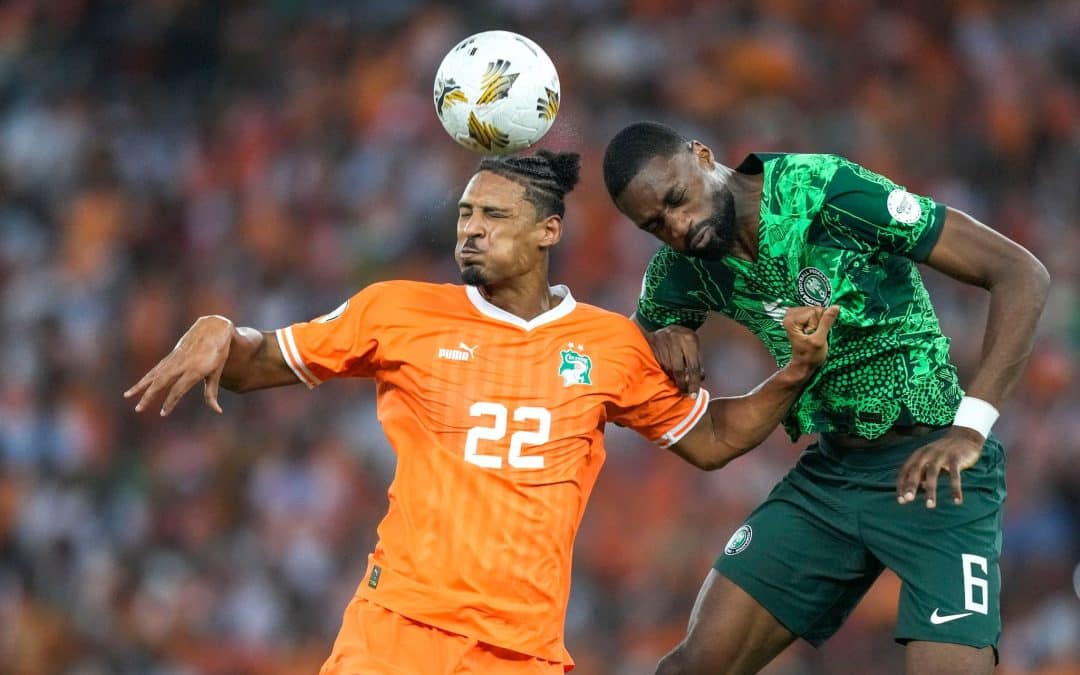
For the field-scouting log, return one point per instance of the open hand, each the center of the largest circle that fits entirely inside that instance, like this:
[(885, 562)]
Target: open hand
[(199, 355), (954, 452)]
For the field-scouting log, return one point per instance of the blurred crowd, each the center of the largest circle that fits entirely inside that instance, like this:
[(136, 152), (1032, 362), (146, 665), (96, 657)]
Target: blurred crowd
[(164, 159)]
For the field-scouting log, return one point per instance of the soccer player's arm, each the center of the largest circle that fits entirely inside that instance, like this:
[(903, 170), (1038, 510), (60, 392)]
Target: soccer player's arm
[(968, 251), (213, 351), (1018, 283), (870, 210), (240, 359), (710, 433), (733, 426)]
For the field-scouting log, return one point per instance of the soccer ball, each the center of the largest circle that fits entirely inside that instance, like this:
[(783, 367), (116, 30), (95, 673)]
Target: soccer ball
[(496, 92)]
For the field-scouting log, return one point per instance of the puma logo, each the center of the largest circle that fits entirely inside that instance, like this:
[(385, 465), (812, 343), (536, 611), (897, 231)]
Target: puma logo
[(465, 347), (463, 353)]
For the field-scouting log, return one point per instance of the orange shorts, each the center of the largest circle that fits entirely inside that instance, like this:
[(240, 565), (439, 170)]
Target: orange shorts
[(376, 641)]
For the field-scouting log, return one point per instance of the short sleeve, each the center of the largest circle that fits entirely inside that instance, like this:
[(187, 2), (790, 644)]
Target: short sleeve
[(671, 293), (865, 210), (650, 404), (342, 343)]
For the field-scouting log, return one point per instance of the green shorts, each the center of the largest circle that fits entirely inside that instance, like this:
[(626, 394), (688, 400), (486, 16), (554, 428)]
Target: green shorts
[(825, 533)]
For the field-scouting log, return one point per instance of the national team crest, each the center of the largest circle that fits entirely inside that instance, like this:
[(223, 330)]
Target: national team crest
[(739, 541), (814, 287), (575, 367)]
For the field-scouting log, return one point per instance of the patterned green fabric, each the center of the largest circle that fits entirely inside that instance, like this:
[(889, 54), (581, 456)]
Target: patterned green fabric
[(831, 232)]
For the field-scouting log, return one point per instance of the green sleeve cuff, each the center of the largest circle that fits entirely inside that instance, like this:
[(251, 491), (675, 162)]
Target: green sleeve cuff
[(921, 251), (645, 323)]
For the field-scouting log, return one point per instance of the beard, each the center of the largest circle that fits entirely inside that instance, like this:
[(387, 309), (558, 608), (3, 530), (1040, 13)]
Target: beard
[(471, 275), (722, 225)]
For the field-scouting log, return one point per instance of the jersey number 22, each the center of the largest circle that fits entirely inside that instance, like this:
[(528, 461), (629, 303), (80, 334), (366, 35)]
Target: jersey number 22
[(497, 431)]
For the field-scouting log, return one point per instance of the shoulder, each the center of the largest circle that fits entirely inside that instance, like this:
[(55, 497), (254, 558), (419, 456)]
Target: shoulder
[(402, 301), (404, 291), (665, 261), (417, 287), (822, 167), (800, 183), (772, 162), (587, 313), (679, 289), (609, 327), (671, 275)]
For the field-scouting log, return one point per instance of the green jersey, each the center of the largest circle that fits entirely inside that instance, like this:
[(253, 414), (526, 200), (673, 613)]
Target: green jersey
[(831, 232)]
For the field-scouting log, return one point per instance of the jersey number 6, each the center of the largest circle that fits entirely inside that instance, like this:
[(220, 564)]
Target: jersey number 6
[(497, 431)]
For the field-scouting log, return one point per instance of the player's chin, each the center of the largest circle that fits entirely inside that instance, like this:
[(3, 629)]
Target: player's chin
[(713, 249), (704, 253), (473, 275)]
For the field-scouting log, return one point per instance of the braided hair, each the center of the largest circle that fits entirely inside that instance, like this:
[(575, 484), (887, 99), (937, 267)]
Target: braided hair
[(547, 177)]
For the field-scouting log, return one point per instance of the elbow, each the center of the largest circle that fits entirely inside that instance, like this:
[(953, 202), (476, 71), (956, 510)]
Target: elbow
[(714, 463), (1037, 281), (1041, 277), (719, 458), (1032, 273), (235, 386)]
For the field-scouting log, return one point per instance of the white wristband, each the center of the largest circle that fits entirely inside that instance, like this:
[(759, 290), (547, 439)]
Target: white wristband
[(975, 413)]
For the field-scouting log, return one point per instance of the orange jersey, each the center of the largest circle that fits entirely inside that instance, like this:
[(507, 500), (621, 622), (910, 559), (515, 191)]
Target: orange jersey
[(498, 426)]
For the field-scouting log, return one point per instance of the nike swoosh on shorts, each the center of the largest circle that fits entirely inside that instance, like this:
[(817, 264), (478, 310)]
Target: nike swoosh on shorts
[(936, 618)]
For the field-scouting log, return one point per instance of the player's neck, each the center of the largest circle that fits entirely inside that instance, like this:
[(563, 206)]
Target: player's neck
[(526, 297), (746, 190)]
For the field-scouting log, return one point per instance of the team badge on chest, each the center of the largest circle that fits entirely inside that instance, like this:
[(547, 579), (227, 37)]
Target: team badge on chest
[(814, 287), (575, 367)]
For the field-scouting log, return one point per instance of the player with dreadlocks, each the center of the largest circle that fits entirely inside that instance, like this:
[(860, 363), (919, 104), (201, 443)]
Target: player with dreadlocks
[(494, 396)]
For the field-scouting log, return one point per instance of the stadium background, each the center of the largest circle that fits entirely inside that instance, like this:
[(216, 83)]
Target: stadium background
[(168, 158)]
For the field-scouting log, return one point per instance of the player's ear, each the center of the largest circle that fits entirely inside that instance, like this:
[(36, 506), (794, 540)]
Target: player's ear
[(703, 153), (550, 231)]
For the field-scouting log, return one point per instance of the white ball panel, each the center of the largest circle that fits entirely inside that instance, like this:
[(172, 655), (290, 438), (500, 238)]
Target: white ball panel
[(496, 92)]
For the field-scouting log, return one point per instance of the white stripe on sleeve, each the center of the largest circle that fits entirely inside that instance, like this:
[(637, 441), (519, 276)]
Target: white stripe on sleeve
[(675, 434), (292, 357)]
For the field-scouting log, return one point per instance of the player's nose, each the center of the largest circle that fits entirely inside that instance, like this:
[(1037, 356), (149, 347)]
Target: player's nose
[(681, 224), (473, 227)]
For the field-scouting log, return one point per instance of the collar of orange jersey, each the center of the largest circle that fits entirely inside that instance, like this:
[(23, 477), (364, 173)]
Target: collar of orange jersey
[(497, 313)]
